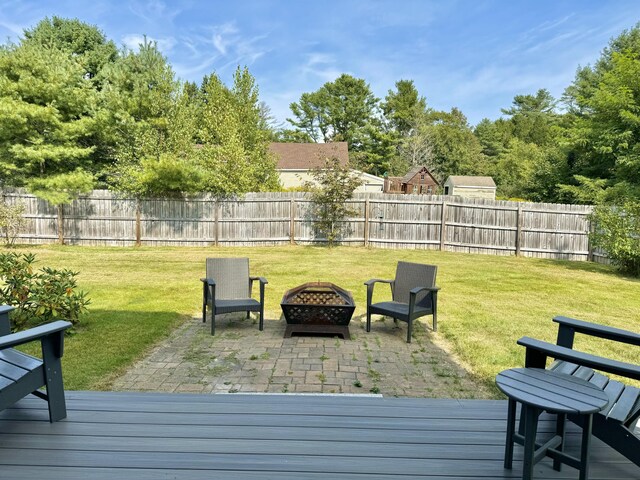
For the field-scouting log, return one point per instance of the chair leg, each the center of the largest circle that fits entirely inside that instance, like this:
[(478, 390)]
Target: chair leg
[(213, 322), (368, 319), (204, 312), (409, 331), (53, 379), (435, 321), (261, 325), (248, 315), (561, 421)]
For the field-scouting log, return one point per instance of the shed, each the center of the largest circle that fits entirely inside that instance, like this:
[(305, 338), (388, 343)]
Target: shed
[(417, 180), (470, 186)]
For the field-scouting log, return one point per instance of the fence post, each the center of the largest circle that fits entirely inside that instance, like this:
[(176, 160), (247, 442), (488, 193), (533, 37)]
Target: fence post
[(216, 221), (367, 208), (590, 249), (443, 222), (518, 230), (138, 224), (61, 224), (292, 222)]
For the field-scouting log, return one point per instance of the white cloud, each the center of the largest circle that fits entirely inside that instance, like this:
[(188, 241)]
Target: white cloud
[(153, 11), (133, 41)]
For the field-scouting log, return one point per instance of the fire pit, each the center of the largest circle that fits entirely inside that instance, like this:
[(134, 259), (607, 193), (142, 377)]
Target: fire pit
[(318, 307)]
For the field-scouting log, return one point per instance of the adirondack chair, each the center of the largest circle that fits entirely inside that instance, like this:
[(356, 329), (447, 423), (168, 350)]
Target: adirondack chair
[(227, 288), (22, 374), (615, 424), (414, 294)]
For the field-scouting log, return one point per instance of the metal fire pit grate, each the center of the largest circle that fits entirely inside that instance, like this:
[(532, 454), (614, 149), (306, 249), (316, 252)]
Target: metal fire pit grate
[(318, 307)]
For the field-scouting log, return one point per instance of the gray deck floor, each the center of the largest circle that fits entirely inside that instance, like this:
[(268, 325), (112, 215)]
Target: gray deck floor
[(131, 436)]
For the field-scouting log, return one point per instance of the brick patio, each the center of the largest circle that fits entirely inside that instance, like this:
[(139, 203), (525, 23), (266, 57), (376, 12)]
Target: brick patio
[(239, 358)]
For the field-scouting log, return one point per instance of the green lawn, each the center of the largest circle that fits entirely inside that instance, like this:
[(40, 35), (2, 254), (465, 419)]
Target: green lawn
[(486, 303)]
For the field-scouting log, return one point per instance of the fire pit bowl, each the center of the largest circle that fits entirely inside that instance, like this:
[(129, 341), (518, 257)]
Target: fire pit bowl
[(318, 307)]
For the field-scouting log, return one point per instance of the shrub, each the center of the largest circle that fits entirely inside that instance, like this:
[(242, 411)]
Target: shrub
[(334, 186), (617, 230), (39, 296), (11, 221)]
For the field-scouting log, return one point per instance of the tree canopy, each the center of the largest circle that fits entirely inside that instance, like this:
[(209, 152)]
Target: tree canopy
[(76, 112)]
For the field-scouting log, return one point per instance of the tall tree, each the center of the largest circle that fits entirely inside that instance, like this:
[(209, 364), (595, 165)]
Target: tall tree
[(234, 138), (456, 150), (605, 112), (138, 94), (86, 43), (338, 111), (46, 114), (532, 118), (403, 107)]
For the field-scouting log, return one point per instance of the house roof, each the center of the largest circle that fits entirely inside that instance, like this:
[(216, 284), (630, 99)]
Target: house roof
[(414, 171), (471, 181), (306, 156)]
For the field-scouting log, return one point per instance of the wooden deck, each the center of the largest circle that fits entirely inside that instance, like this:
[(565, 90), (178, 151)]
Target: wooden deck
[(133, 436)]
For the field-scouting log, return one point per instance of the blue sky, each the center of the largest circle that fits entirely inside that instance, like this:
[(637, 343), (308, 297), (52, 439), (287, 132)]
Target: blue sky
[(475, 55)]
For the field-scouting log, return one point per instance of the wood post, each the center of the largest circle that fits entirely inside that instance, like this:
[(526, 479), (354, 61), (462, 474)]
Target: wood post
[(518, 230), (138, 224), (216, 222), (61, 224), (590, 249), (367, 209), (443, 223), (292, 222)]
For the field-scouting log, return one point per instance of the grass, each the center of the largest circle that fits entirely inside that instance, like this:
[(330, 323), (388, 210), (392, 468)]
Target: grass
[(139, 295)]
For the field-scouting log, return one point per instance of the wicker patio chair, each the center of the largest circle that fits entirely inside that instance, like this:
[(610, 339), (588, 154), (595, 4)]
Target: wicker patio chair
[(227, 288), (414, 294)]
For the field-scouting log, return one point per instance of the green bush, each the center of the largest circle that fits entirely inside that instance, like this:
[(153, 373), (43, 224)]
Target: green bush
[(11, 221), (617, 230), (39, 296)]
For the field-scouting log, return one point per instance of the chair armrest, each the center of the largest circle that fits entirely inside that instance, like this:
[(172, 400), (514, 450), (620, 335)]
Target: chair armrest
[(36, 333), (208, 281), (371, 283), (569, 326), (538, 351), (417, 290), (377, 280), (263, 281)]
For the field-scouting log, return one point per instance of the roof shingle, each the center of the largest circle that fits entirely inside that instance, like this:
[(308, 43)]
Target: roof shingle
[(306, 156)]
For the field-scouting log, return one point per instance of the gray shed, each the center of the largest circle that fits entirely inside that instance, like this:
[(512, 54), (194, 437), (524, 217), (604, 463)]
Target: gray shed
[(470, 186)]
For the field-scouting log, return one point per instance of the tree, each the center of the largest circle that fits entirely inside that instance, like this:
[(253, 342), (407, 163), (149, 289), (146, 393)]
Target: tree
[(604, 132), (46, 114), (11, 220), (416, 148), (84, 42), (138, 93), (516, 166), (617, 231), (334, 185), (235, 142), (403, 107), (338, 111), (456, 150), (532, 118)]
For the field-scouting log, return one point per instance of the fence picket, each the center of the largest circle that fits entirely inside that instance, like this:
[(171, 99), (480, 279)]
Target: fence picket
[(384, 221)]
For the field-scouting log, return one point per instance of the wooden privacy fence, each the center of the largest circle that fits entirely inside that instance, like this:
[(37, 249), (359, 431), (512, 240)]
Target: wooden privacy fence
[(383, 221)]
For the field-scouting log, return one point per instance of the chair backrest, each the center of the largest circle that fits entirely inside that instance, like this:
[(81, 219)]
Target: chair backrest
[(411, 275), (231, 276)]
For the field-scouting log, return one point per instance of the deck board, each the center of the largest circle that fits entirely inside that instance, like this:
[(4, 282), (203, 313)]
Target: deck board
[(141, 436)]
